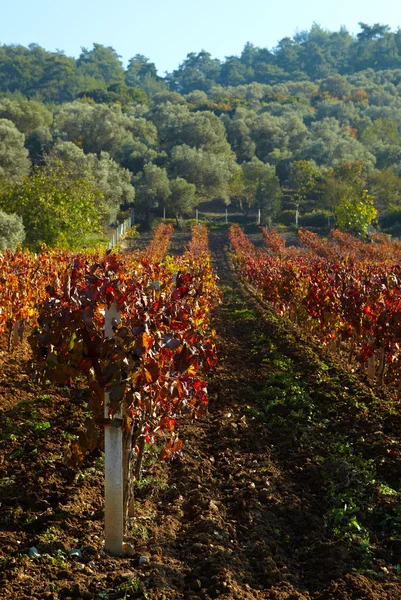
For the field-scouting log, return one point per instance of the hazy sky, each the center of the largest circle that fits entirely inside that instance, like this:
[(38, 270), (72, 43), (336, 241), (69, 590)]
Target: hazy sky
[(166, 30)]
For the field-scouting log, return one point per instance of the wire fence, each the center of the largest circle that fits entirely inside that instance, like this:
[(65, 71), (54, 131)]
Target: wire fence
[(121, 230)]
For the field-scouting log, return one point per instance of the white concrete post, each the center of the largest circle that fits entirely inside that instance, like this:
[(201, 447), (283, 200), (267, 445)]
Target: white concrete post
[(164, 213), (226, 216), (197, 215), (258, 216), (113, 465)]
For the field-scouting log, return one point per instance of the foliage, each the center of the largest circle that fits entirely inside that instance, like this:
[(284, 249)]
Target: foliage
[(12, 232), (212, 174), (343, 290), (24, 278), (320, 98), (304, 174), (14, 161), (55, 208), (152, 365), (182, 199), (27, 115), (261, 186), (153, 190), (317, 218), (112, 181), (356, 214)]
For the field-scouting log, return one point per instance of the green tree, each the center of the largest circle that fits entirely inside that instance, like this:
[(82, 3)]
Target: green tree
[(355, 214), (261, 186), (197, 72), (152, 190), (27, 115), (14, 161), (12, 232), (303, 177), (138, 68), (238, 135), (55, 208), (268, 198), (182, 199), (113, 181), (381, 130), (102, 63), (335, 86), (92, 127), (212, 174), (385, 187), (341, 184), (329, 144)]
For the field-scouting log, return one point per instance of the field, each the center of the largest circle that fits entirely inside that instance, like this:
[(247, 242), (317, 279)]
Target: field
[(288, 488)]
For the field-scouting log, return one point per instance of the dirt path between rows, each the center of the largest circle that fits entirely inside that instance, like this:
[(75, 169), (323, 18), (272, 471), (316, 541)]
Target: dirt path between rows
[(244, 512)]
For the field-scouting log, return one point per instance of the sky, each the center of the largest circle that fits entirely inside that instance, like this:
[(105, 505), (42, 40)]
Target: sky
[(165, 31)]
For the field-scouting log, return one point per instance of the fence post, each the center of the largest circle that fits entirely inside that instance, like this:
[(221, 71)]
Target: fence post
[(113, 464), (226, 215), (258, 216), (197, 215)]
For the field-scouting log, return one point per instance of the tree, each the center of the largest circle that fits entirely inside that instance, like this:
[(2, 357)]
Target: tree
[(27, 115), (330, 144), (355, 215), (197, 72), (56, 209), (12, 232), (268, 198), (102, 63), (92, 127), (268, 134), (238, 135), (381, 130), (14, 161), (303, 177), (177, 126), (152, 190), (385, 187), (335, 86), (182, 199), (138, 68), (342, 184), (261, 186), (371, 32), (113, 181), (212, 174)]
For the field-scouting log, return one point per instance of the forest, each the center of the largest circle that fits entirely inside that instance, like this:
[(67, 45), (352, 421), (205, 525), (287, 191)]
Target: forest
[(308, 132)]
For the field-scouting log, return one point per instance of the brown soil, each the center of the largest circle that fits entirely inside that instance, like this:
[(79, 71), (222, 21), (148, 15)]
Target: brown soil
[(246, 512)]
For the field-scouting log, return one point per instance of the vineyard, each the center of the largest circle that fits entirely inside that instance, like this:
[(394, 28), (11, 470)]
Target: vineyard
[(254, 388), (343, 291)]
